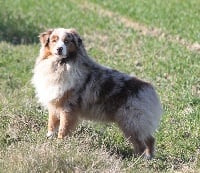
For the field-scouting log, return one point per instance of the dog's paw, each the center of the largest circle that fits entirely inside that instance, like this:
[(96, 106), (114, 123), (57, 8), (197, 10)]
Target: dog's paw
[(148, 157), (50, 134)]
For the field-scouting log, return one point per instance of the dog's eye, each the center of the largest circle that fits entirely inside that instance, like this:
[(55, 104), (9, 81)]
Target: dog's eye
[(53, 41), (65, 41)]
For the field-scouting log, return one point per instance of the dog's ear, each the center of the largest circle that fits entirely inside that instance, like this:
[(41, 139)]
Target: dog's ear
[(44, 37), (76, 38)]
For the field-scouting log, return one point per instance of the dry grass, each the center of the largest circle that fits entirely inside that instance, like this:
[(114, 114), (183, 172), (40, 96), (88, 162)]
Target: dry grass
[(58, 156)]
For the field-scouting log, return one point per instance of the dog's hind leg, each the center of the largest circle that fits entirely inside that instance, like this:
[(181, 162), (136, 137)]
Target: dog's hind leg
[(149, 151), (139, 145), (144, 147)]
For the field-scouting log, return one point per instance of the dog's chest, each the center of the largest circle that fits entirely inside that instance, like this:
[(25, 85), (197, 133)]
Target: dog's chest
[(51, 84)]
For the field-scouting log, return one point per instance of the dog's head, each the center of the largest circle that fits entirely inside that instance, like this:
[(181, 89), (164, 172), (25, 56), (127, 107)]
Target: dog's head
[(60, 42)]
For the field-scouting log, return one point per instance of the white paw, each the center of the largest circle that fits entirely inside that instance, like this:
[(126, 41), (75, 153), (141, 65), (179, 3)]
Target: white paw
[(50, 134)]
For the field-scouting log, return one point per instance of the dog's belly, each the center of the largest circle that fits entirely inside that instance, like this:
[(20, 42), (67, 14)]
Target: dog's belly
[(96, 113)]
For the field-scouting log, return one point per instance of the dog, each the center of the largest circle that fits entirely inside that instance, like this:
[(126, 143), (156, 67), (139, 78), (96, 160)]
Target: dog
[(72, 86)]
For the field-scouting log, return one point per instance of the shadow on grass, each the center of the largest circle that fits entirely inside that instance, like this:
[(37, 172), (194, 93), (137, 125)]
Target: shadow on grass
[(17, 30), (124, 153), (100, 138)]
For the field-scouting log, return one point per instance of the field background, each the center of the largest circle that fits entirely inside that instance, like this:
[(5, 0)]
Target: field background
[(156, 40)]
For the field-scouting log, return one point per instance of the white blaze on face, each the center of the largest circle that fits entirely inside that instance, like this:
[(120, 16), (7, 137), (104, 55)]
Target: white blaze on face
[(61, 33)]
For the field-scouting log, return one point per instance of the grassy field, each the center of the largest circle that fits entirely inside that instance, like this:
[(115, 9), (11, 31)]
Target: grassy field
[(112, 37)]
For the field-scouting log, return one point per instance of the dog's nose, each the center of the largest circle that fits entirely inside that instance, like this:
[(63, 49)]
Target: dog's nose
[(59, 50)]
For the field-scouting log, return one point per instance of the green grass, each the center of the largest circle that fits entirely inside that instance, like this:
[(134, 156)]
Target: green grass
[(94, 147), (174, 16)]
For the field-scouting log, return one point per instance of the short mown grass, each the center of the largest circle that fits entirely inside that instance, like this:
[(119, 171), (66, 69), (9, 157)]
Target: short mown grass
[(96, 147)]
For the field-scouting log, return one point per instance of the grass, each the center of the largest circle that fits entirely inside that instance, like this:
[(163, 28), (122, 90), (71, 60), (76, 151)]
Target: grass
[(94, 147), (175, 17)]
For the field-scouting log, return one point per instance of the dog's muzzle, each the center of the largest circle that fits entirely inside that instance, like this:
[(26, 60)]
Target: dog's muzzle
[(60, 50)]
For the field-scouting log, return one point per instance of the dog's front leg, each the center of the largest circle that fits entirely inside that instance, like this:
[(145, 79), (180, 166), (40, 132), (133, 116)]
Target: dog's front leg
[(67, 124), (53, 123)]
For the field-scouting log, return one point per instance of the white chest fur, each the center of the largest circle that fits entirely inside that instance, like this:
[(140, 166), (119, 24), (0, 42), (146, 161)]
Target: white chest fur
[(51, 80)]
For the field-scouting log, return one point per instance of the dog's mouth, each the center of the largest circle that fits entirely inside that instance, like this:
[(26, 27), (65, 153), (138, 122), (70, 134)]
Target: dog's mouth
[(63, 60), (59, 54)]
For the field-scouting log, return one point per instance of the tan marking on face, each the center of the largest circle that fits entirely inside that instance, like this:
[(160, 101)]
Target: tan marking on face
[(47, 52), (54, 39)]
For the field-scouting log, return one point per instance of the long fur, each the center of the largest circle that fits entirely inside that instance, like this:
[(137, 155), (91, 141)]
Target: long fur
[(73, 86)]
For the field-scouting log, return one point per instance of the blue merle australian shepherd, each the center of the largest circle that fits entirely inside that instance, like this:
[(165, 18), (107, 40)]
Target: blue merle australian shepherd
[(72, 86)]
